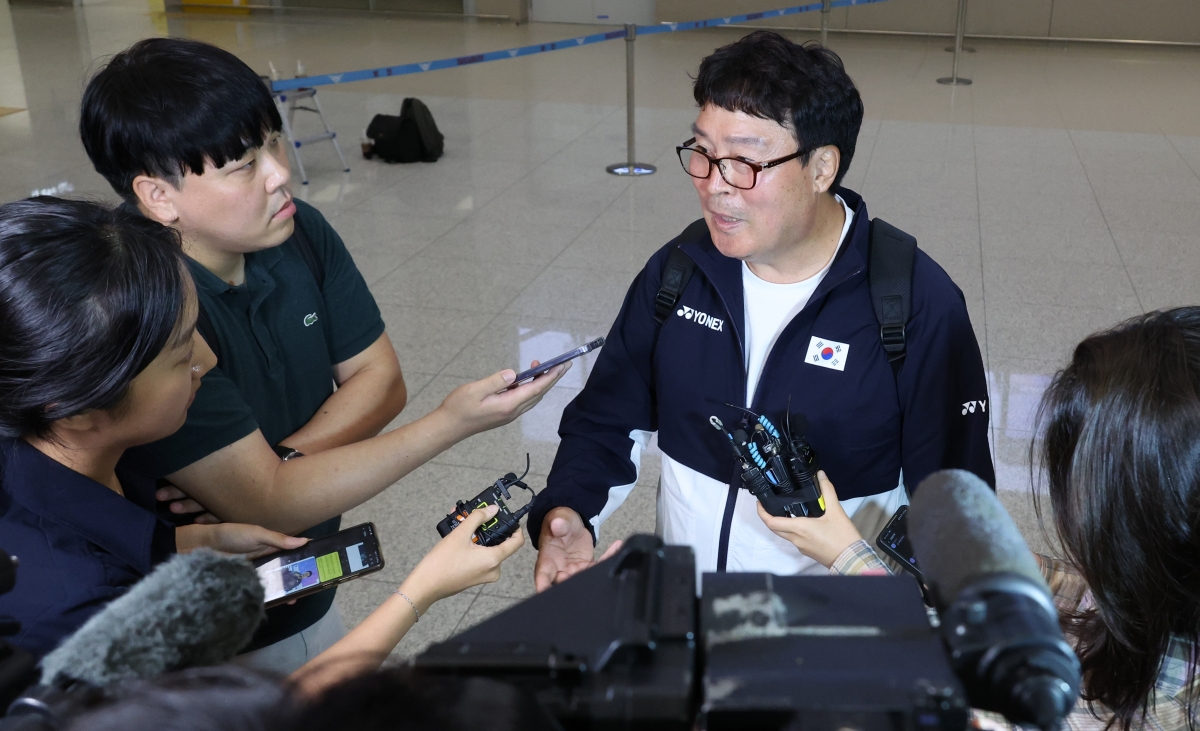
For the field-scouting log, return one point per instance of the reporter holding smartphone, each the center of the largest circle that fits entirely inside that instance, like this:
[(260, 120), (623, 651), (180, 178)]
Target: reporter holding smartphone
[(98, 353)]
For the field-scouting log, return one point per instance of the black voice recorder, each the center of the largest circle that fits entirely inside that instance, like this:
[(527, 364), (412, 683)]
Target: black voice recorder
[(778, 468), (506, 522)]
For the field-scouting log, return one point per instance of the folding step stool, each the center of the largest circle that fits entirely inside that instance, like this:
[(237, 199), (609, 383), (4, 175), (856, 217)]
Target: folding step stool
[(286, 101)]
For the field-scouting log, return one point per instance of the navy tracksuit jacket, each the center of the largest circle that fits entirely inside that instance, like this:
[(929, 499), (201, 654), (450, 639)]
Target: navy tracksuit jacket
[(865, 423)]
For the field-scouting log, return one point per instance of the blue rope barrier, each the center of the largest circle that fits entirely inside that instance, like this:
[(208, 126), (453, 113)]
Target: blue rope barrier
[(442, 63), (645, 30), (384, 72)]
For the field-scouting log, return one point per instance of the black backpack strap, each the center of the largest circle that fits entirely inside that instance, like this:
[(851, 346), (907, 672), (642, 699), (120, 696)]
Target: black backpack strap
[(890, 273), (676, 273), (205, 327), (309, 254)]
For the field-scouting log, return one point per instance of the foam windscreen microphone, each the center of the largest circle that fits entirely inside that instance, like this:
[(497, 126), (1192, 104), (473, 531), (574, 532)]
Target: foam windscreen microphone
[(197, 609), (960, 531), (998, 619)]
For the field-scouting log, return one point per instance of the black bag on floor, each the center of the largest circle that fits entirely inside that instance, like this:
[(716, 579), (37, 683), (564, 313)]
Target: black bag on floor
[(410, 137)]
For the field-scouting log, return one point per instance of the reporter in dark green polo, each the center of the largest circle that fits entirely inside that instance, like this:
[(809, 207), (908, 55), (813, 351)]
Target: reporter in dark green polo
[(287, 312)]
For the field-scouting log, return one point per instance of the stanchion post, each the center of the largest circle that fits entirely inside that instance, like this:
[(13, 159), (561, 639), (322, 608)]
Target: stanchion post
[(962, 20), (954, 79), (629, 167), (825, 7)]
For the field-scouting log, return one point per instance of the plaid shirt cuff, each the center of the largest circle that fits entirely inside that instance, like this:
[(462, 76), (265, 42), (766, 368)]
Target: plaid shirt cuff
[(858, 558)]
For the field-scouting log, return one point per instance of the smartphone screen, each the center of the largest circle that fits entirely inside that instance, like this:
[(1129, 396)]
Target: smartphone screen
[(893, 540), (320, 564), (532, 373)]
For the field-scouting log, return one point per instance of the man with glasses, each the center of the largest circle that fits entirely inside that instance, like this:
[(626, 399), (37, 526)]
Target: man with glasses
[(777, 317)]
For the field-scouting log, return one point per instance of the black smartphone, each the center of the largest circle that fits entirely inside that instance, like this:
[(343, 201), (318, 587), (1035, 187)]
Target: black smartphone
[(532, 373), (320, 564), (893, 540)]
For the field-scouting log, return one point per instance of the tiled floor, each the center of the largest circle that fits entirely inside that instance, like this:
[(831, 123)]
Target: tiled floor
[(1061, 192)]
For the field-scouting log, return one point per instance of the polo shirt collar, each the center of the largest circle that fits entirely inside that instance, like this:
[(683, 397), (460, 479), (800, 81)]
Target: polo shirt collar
[(65, 497), (215, 286)]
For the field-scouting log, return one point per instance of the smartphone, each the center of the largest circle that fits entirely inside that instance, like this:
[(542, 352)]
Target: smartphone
[(532, 373), (893, 540), (319, 564)]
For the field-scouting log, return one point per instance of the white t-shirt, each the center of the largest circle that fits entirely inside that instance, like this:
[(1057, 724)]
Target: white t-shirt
[(770, 307)]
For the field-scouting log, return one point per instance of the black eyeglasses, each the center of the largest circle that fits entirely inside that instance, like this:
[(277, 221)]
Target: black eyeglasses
[(737, 171)]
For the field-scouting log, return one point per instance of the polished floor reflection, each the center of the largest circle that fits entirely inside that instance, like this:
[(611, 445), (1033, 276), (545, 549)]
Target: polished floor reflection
[(1060, 191)]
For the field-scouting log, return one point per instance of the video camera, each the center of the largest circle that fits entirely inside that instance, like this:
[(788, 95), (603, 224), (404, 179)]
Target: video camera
[(627, 645), (17, 667)]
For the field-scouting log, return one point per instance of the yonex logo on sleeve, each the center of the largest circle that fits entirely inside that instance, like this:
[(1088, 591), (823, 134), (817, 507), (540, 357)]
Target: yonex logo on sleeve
[(969, 407), (701, 318)]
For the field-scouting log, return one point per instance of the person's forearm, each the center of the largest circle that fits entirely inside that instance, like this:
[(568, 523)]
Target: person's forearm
[(190, 537), (245, 482), (365, 647), (359, 409), (297, 495)]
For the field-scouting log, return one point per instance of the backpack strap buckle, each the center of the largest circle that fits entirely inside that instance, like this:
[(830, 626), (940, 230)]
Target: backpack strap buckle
[(677, 272), (893, 341), (891, 257)]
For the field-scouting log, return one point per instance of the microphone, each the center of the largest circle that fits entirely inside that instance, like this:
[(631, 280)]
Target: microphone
[(998, 619), (197, 609)]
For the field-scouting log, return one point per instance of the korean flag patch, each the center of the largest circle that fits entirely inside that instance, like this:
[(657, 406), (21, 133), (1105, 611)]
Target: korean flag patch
[(827, 353)]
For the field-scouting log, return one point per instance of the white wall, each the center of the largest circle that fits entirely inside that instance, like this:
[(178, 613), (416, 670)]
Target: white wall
[(1152, 20), (604, 12)]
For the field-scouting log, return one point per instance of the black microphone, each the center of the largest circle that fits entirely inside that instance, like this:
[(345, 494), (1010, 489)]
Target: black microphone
[(998, 619)]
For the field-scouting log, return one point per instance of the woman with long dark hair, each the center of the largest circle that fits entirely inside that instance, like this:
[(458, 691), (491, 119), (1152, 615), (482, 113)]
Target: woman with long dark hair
[(97, 354), (1121, 449), (1120, 446)]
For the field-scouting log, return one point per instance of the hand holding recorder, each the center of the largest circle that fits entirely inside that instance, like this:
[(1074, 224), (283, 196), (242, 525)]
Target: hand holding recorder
[(455, 564), (822, 538)]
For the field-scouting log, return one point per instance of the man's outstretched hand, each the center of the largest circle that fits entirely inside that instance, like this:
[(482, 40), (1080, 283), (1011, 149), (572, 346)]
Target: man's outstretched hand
[(565, 548)]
